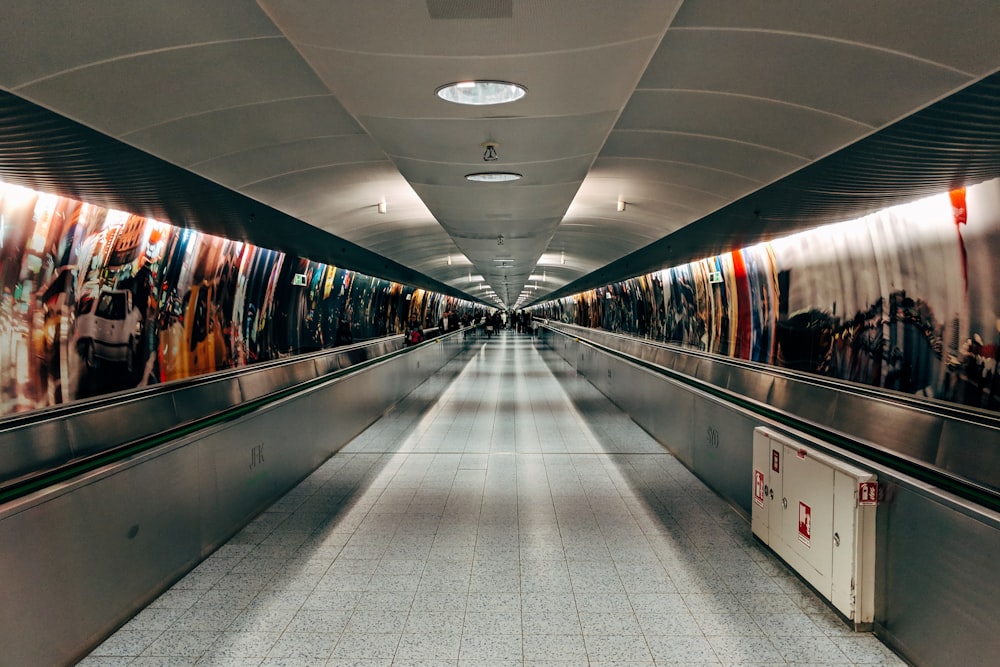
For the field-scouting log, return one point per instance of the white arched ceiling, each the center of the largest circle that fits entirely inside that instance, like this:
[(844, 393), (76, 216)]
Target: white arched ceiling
[(323, 108)]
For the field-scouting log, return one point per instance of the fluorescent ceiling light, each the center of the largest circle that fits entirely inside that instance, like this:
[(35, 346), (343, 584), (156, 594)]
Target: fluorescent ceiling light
[(493, 176), (480, 93)]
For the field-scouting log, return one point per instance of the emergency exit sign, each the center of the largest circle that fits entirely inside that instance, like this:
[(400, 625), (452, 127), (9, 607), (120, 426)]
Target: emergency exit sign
[(299, 279), (715, 276)]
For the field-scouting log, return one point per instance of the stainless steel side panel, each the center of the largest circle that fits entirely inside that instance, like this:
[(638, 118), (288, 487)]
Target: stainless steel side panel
[(960, 454), (687, 364), (756, 386), (96, 430), (722, 450), (78, 560), (909, 432), (197, 401), (76, 430), (817, 407), (937, 588), (72, 567), (325, 364), (937, 435), (23, 450), (717, 374), (256, 385)]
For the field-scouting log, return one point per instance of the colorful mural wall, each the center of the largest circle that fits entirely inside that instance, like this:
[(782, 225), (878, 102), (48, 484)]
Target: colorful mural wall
[(94, 300), (905, 299)]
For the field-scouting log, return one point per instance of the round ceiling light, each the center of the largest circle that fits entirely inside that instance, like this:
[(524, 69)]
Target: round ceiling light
[(493, 176), (481, 93)]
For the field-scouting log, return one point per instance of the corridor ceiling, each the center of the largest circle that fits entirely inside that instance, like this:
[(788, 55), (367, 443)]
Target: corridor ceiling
[(322, 109)]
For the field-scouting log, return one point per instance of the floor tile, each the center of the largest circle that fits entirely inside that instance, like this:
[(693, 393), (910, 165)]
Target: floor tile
[(434, 622), (313, 645), (680, 649), (553, 647), (729, 624), (127, 643), (808, 649), (865, 649), (550, 622), (244, 644), (428, 646), (181, 643), (106, 661), (504, 514), (668, 624), (324, 621), (483, 649), (609, 648), (366, 646)]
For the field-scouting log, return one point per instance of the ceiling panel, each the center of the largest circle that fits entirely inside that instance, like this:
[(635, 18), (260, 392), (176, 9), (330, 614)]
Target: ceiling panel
[(315, 110), (490, 198), (166, 85), (354, 190), (948, 33), (809, 133), (521, 140), (748, 160), (635, 173), (367, 27), (252, 166), (564, 170), (559, 83), (234, 130), (579, 59), (868, 85), (46, 39)]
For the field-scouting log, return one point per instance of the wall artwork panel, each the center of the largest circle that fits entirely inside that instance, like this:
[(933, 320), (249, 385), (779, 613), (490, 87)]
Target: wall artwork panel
[(904, 299), (94, 301)]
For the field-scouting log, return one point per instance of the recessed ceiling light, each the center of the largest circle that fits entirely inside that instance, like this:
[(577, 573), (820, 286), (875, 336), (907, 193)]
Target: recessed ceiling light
[(493, 176), (481, 93)]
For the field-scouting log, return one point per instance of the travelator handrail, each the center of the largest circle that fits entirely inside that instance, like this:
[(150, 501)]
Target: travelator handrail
[(356, 355), (839, 443), (925, 404)]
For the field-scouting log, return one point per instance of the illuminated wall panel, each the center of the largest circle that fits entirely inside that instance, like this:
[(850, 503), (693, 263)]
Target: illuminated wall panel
[(94, 301), (905, 299)]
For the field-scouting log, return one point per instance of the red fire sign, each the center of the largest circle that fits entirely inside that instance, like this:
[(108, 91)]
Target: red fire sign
[(867, 493), (758, 487), (805, 523)]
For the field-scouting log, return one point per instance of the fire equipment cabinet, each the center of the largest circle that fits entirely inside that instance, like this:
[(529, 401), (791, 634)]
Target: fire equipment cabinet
[(818, 514)]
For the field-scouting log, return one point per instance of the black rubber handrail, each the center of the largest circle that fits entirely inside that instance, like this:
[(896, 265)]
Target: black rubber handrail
[(25, 485), (28, 419), (934, 406)]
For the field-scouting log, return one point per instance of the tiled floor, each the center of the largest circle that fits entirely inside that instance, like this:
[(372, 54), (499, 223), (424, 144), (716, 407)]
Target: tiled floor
[(500, 515)]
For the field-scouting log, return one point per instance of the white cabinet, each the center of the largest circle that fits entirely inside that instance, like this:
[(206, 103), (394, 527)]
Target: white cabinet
[(818, 514)]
